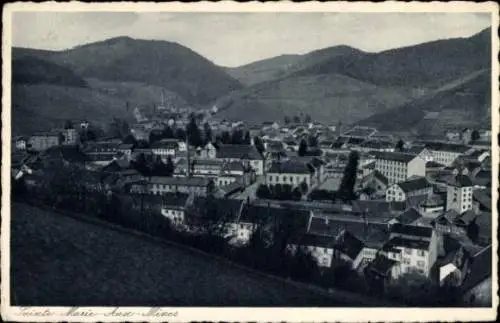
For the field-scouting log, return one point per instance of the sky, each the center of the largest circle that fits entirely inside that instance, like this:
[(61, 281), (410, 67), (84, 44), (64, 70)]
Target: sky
[(234, 39)]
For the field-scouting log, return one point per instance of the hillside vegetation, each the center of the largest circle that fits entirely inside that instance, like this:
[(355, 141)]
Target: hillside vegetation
[(159, 63), (464, 102)]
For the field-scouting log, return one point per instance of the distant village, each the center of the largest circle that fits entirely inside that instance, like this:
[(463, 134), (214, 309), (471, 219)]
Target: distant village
[(381, 208)]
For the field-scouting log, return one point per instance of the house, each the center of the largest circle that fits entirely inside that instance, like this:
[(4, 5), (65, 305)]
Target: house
[(459, 194), (173, 208), (206, 152), (414, 247), (477, 285), (290, 172), (416, 186), (375, 182), (20, 143), (43, 140), (165, 148), (452, 222), (321, 248), (247, 154), (446, 153), (432, 207), (159, 185), (376, 145), (126, 150), (454, 265), (398, 167), (349, 249), (382, 269), (70, 136), (407, 217)]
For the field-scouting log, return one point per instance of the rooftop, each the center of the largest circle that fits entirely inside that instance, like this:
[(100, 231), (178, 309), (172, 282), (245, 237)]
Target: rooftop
[(409, 216), (239, 152), (460, 181), (289, 167), (480, 269), (415, 184), (393, 156), (408, 243), (180, 181), (411, 230)]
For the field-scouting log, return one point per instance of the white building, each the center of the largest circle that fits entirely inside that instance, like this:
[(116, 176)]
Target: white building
[(415, 248), (446, 153), (417, 186), (165, 148), (459, 194), (247, 154), (290, 172), (173, 208), (398, 167)]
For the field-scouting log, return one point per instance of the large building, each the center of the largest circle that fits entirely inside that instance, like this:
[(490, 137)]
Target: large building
[(159, 185), (290, 172), (445, 153), (247, 154), (398, 167), (43, 140)]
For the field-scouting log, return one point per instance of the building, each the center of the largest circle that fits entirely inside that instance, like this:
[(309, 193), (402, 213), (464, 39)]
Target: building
[(70, 135), (432, 207), (159, 185), (43, 140), (477, 285), (398, 167), (415, 248), (20, 143), (291, 173), (165, 148), (321, 248), (126, 150), (173, 208), (417, 186), (459, 194), (247, 154), (445, 153)]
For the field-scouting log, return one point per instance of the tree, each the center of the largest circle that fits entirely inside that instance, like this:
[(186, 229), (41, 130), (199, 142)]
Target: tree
[(247, 140), (237, 137), (287, 120), (414, 289), (193, 133), (130, 140), (141, 165), (307, 118), (68, 124), (296, 194), (303, 187), (259, 144), (169, 168), (208, 132), (346, 189), (155, 135), (225, 138), (168, 133), (296, 119), (400, 145), (313, 141), (263, 192), (302, 148), (180, 134), (474, 136)]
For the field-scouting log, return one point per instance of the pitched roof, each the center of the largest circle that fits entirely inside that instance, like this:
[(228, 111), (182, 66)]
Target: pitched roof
[(434, 164), (165, 144), (174, 200), (252, 213), (313, 240), (382, 264), (409, 216), (239, 151), (411, 230), (373, 234), (180, 181), (483, 197), (348, 244), (414, 184), (460, 181), (408, 243), (444, 146), (381, 177), (289, 167), (394, 156)]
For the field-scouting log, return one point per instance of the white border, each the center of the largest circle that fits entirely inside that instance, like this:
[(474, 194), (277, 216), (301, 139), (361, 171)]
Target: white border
[(249, 314)]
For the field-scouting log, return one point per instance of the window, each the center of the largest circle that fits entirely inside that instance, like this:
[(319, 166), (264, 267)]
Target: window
[(408, 251), (421, 253), (406, 261), (421, 264)]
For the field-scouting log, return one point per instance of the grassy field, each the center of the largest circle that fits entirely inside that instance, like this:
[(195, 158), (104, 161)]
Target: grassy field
[(60, 261)]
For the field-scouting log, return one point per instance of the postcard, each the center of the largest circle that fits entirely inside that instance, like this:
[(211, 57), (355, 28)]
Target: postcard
[(261, 161)]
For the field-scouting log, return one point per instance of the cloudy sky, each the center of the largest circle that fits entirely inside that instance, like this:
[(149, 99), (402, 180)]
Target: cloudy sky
[(233, 39)]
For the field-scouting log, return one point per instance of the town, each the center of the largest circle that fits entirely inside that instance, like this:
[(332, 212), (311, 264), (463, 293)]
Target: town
[(337, 206)]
